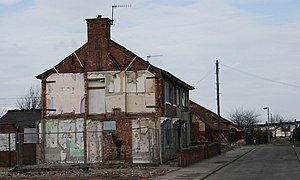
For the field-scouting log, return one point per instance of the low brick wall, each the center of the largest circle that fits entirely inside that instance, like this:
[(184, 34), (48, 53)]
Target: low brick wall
[(193, 154), (212, 150)]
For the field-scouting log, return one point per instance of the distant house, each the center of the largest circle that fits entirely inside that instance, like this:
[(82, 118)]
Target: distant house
[(280, 129), (205, 126), (18, 137), (104, 103)]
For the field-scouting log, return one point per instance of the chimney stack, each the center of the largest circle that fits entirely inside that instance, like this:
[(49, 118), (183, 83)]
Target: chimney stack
[(98, 40)]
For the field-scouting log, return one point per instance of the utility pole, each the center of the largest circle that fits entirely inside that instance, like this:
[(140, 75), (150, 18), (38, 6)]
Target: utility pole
[(268, 125), (218, 105)]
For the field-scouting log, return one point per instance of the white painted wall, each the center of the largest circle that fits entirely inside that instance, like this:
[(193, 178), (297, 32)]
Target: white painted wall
[(65, 143), (66, 94), (132, 92)]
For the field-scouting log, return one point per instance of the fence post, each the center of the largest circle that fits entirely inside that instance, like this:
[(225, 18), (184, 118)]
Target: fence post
[(43, 145), (9, 150), (21, 149), (84, 143)]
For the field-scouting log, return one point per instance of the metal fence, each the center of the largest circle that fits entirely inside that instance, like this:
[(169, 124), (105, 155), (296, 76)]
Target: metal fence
[(138, 145), (7, 149)]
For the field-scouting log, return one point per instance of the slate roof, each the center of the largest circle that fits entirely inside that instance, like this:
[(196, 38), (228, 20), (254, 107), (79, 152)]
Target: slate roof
[(24, 118), (126, 51), (209, 117)]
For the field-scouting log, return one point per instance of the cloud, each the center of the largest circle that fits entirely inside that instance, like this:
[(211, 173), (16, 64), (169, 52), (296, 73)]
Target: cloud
[(190, 36)]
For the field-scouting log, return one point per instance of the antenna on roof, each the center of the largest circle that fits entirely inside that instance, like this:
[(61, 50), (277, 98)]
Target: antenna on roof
[(148, 58), (151, 56), (114, 7)]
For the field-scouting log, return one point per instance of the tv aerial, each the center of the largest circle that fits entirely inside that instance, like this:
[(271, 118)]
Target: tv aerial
[(117, 6), (152, 56)]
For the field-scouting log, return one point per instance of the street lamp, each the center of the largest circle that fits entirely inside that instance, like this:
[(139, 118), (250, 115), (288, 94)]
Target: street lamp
[(268, 128)]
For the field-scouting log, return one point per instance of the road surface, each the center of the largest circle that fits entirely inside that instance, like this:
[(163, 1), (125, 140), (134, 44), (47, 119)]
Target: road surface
[(265, 162)]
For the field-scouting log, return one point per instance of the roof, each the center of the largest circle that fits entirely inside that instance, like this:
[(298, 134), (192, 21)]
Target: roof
[(126, 51), (151, 67), (52, 70), (209, 117), (22, 118)]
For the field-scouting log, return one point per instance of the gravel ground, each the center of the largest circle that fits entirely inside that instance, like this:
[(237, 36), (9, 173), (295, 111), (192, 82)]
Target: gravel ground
[(106, 173)]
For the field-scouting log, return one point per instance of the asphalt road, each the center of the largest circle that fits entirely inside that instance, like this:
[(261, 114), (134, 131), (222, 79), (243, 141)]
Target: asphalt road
[(265, 162)]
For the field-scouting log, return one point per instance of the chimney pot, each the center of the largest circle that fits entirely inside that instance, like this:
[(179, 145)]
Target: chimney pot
[(99, 17)]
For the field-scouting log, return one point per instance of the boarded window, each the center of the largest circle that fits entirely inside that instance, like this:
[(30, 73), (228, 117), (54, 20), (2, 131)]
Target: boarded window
[(131, 85), (150, 85), (29, 135), (115, 83), (96, 90)]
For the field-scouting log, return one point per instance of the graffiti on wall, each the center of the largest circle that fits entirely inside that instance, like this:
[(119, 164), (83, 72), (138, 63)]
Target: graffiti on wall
[(65, 143), (143, 140)]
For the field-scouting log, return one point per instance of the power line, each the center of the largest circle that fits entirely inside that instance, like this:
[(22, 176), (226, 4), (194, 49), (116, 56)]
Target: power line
[(260, 77), (8, 104), (205, 76), (10, 98)]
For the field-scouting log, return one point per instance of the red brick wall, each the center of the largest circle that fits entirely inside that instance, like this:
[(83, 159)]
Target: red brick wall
[(123, 134), (7, 158), (8, 128), (193, 154), (195, 133)]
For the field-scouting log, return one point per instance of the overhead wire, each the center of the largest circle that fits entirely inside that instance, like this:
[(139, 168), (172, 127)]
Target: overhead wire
[(260, 77), (9, 98), (204, 76)]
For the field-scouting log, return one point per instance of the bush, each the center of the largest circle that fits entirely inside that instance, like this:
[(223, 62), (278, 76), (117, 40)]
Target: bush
[(283, 140), (261, 137)]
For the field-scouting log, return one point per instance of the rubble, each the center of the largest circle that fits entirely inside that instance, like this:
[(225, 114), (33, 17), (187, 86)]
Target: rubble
[(136, 172)]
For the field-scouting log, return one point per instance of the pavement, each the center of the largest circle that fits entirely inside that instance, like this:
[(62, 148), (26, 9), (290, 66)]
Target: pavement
[(296, 148), (205, 168)]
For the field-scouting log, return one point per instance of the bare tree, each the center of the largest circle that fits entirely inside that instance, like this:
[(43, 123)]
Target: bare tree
[(244, 118), (31, 100)]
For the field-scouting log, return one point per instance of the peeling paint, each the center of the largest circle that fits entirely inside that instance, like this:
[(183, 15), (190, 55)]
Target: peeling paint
[(143, 140), (64, 140), (65, 93)]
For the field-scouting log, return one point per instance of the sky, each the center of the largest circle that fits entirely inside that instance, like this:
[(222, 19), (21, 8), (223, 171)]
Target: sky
[(257, 43)]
